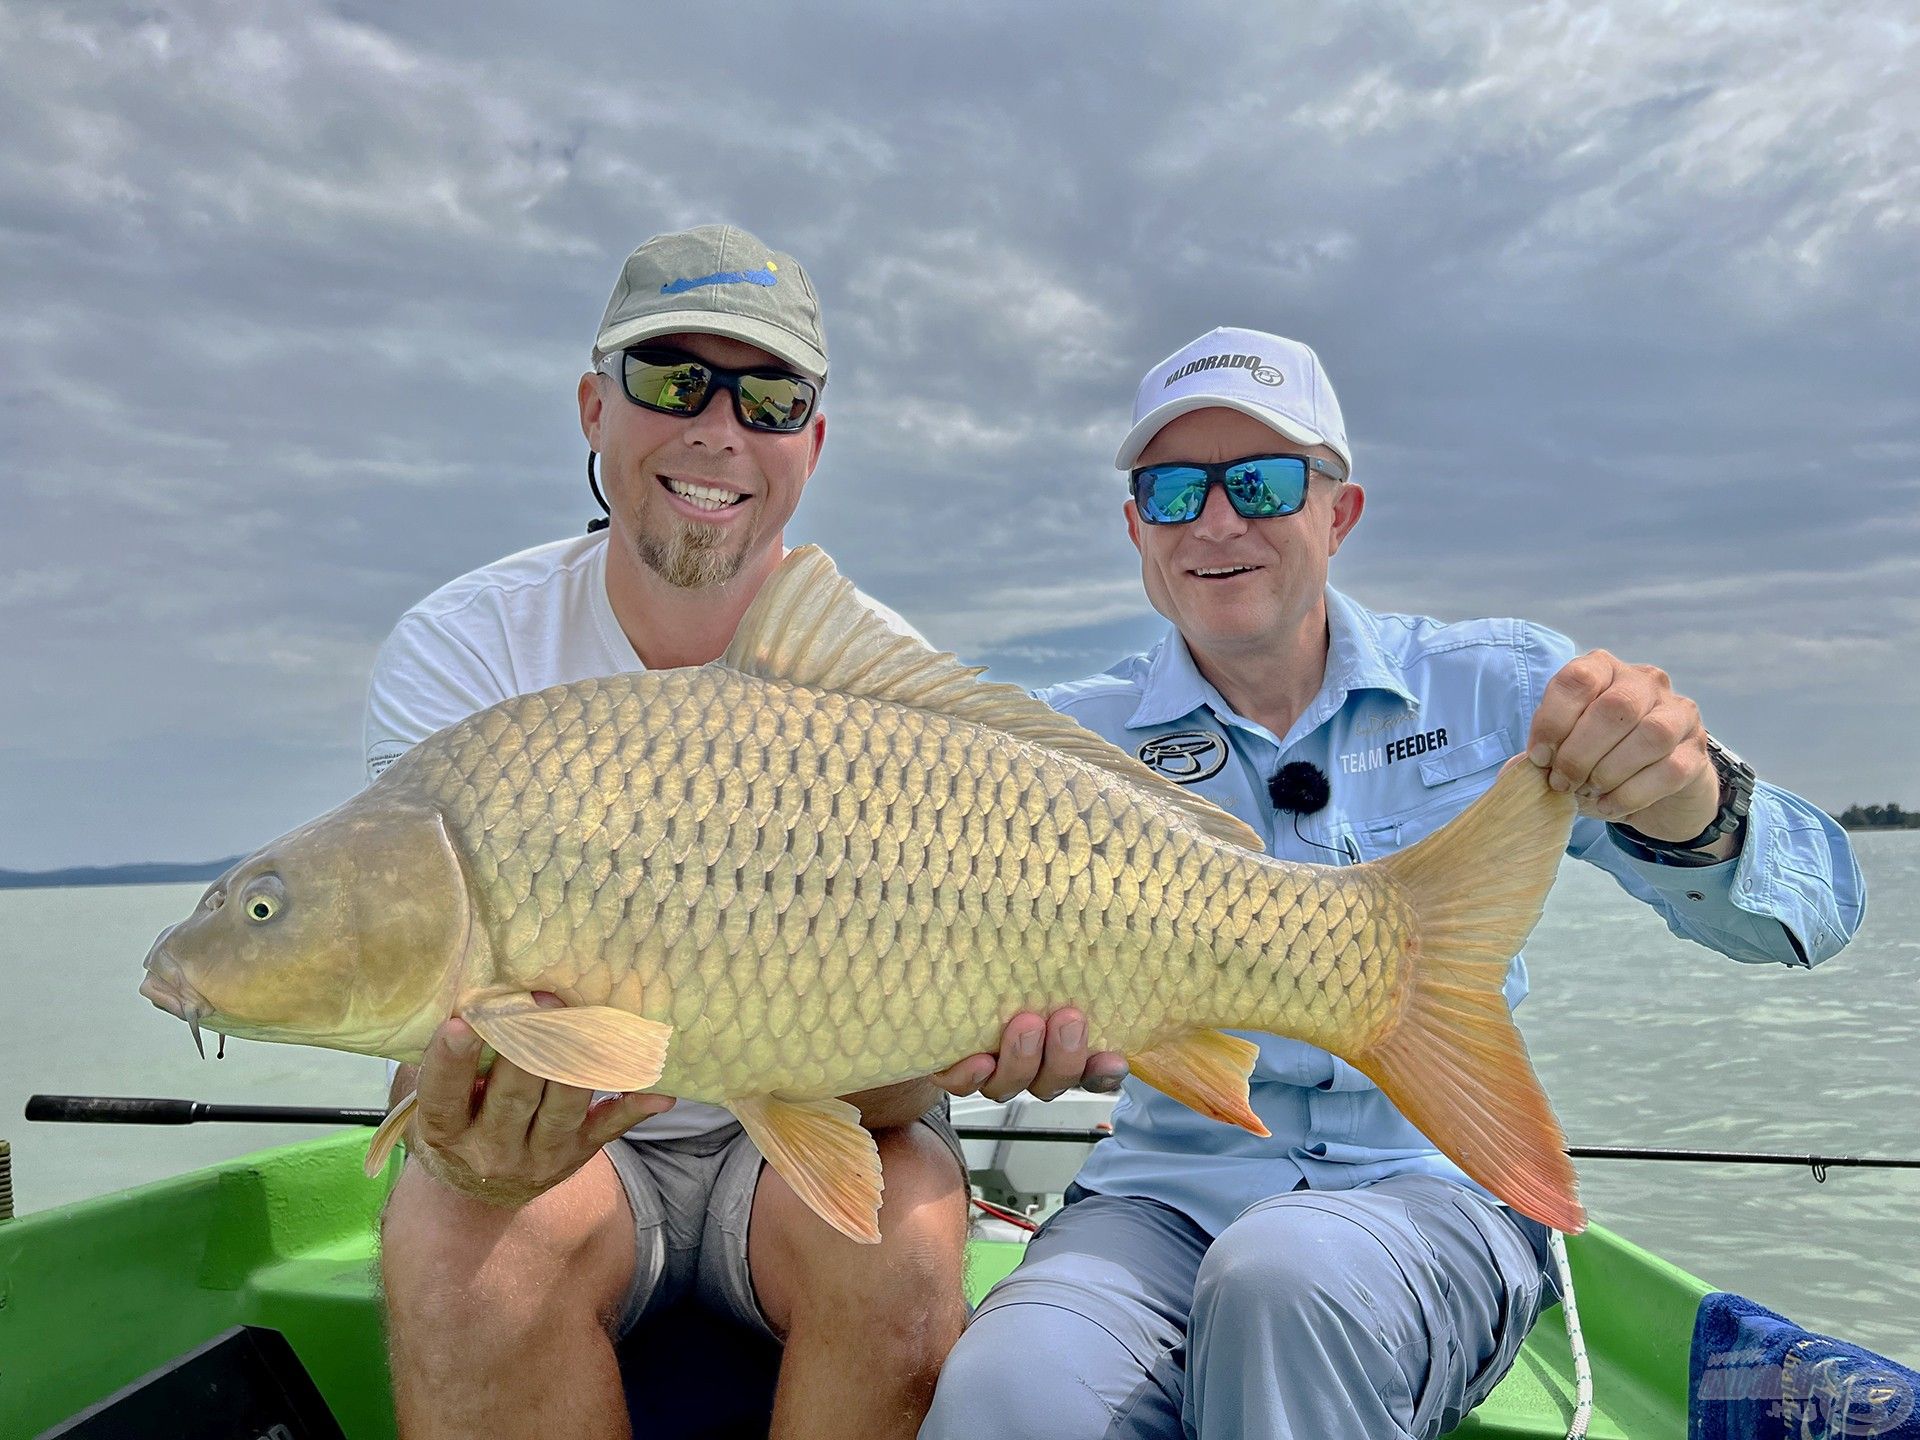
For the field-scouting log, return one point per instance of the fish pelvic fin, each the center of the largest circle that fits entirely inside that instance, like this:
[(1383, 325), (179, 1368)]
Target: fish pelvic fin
[(1454, 1062), (389, 1133), (1206, 1070), (593, 1046), (824, 1153), (808, 626)]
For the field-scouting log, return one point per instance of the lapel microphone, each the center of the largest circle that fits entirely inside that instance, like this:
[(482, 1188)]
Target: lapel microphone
[(1301, 788)]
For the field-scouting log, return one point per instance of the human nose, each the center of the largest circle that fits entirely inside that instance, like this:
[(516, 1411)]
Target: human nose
[(717, 426), (1218, 520)]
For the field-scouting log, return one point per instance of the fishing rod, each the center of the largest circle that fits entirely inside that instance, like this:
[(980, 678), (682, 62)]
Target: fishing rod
[(136, 1110)]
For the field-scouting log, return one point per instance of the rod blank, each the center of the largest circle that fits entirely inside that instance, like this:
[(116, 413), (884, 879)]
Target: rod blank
[(136, 1110)]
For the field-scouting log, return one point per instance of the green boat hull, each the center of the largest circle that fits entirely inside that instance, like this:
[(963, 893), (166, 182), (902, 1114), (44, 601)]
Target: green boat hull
[(95, 1295)]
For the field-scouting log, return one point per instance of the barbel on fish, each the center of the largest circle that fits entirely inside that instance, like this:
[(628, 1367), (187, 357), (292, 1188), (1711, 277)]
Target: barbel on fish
[(835, 859)]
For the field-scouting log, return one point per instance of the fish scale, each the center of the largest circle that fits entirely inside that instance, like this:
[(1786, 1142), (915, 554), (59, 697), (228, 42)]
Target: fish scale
[(835, 859)]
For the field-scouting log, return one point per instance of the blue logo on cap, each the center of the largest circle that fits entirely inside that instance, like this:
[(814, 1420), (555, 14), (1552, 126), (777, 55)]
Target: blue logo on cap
[(723, 277)]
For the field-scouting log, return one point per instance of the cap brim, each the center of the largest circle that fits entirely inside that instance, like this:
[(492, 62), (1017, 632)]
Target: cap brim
[(781, 343), (1158, 418)]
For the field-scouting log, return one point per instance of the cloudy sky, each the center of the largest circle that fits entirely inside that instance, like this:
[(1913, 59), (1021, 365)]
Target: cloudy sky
[(1621, 301)]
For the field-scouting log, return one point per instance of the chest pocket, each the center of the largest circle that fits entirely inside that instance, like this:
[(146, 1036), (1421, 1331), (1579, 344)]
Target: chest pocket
[(1452, 779)]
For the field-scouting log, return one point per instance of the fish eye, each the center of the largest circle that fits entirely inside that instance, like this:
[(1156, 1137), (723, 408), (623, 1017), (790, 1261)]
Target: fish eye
[(264, 899)]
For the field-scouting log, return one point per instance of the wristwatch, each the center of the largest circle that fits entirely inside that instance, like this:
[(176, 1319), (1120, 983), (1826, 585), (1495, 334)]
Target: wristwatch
[(1736, 798)]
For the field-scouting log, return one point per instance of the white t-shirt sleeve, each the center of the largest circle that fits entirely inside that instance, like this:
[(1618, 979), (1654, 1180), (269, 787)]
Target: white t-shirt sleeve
[(424, 680)]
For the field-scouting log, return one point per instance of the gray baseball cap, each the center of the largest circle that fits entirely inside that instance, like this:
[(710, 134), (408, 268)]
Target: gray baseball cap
[(716, 280)]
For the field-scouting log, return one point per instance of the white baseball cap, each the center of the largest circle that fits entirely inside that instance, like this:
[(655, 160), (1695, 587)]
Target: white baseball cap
[(1277, 381)]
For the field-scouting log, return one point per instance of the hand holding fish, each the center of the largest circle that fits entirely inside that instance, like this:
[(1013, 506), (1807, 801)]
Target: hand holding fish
[(1044, 1055), (508, 1136), (1627, 747)]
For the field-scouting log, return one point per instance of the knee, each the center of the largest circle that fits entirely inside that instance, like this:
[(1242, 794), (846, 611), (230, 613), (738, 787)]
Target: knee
[(500, 1271), (908, 1292), (1022, 1372), (1291, 1267)]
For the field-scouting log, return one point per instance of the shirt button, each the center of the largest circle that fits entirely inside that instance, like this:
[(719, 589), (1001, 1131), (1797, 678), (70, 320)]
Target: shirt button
[(1695, 895)]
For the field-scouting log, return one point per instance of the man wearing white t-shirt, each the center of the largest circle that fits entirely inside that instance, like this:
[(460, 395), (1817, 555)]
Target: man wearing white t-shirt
[(530, 1230)]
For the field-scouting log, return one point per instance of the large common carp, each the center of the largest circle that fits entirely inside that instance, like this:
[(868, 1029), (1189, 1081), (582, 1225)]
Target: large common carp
[(834, 859)]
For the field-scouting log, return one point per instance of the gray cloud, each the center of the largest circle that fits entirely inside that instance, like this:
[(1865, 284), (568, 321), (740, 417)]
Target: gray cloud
[(1621, 303)]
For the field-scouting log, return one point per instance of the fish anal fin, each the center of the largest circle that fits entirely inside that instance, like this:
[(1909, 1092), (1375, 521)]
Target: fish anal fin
[(389, 1133), (1205, 1070), (593, 1046), (808, 626), (826, 1156)]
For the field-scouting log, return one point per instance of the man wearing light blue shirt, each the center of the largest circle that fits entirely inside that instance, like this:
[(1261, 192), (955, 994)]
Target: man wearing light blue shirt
[(1341, 1278)]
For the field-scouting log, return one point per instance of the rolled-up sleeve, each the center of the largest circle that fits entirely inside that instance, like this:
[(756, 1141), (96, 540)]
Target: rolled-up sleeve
[(1793, 895)]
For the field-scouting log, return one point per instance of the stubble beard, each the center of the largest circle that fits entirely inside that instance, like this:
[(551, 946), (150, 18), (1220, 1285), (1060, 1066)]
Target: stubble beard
[(691, 558)]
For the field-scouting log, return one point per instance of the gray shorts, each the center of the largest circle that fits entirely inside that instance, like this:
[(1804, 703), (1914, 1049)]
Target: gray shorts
[(692, 1198)]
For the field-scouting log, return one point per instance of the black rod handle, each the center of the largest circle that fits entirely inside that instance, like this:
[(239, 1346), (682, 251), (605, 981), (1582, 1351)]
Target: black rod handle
[(140, 1110), (110, 1110)]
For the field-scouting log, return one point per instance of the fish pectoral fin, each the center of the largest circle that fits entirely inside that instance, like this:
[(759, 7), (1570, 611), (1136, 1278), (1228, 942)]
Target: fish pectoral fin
[(1206, 1070), (389, 1133), (820, 1148), (593, 1046)]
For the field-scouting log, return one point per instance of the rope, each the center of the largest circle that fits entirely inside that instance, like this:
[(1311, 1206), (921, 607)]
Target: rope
[(1582, 1371)]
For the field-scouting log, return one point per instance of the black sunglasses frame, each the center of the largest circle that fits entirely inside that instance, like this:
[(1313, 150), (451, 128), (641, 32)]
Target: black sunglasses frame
[(1216, 473), (718, 378)]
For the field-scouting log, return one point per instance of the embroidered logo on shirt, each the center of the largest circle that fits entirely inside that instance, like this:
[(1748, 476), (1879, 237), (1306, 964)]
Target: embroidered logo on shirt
[(1378, 756), (1185, 757)]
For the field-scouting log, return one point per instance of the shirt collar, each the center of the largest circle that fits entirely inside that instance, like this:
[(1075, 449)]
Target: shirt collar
[(1174, 687)]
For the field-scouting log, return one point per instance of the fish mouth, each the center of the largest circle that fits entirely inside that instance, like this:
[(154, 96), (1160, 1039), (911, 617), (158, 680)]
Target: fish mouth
[(165, 984)]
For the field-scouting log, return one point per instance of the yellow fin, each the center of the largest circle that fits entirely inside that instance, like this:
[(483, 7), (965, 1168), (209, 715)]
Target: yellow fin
[(820, 1148), (1206, 1070), (389, 1133), (808, 626), (1454, 1062), (593, 1046)]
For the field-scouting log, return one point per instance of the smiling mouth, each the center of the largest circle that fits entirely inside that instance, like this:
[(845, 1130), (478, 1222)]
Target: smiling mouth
[(701, 496), (1222, 572)]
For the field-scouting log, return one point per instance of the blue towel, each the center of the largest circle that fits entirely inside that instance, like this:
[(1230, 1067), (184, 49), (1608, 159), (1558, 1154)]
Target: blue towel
[(1756, 1375)]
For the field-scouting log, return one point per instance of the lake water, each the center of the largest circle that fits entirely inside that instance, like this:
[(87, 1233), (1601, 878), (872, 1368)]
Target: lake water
[(1642, 1039)]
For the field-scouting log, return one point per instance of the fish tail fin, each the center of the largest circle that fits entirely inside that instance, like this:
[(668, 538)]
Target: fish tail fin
[(1454, 1062)]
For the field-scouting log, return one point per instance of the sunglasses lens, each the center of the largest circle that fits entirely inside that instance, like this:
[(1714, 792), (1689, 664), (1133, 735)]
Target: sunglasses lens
[(775, 402), (1259, 489), (1170, 494), (675, 386)]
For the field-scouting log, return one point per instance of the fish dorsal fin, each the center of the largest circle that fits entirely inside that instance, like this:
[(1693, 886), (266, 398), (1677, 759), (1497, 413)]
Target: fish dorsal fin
[(809, 626)]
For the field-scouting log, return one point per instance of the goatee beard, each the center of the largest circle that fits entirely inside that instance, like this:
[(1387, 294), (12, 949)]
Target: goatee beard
[(691, 559)]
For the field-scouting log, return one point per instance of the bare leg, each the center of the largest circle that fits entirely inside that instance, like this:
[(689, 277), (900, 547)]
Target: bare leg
[(498, 1319), (867, 1327)]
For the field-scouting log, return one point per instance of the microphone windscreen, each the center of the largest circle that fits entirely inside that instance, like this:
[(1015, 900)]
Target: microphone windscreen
[(1300, 787)]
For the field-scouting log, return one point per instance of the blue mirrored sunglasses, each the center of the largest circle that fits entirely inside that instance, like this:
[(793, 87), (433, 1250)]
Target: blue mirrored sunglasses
[(1258, 487)]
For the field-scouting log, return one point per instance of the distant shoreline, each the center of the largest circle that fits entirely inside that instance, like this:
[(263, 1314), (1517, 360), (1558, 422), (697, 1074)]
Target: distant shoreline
[(152, 873), (171, 873)]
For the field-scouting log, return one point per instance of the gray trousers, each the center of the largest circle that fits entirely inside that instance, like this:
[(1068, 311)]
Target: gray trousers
[(1389, 1310)]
